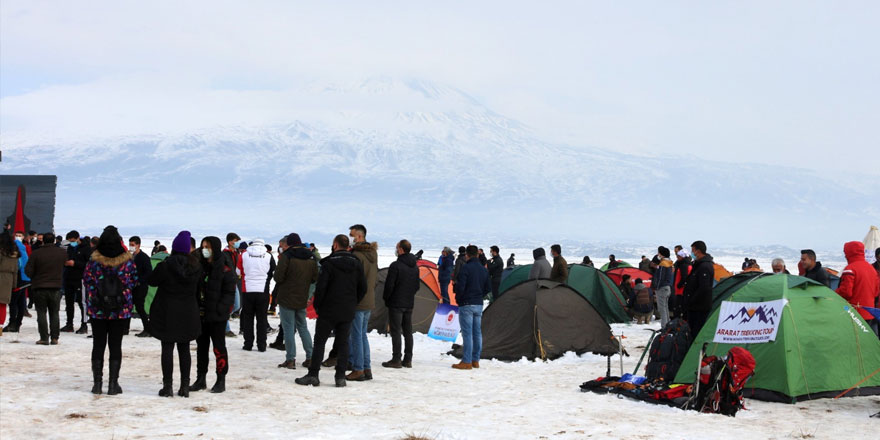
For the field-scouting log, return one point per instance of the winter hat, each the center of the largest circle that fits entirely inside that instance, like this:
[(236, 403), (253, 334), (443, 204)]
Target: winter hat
[(242, 246), (110, 243), (258, 242), (539, 252), (294, 240), (664, 251), (181, 242), (682, 254)]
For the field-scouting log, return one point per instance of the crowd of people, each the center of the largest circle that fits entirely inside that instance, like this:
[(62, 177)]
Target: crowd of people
[(191, 294)]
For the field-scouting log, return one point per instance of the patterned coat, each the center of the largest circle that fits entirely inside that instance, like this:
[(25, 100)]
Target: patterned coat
[(99, 266)]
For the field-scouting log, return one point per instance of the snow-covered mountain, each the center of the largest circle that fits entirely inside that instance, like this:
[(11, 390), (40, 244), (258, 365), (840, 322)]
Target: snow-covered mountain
[(409, 157)]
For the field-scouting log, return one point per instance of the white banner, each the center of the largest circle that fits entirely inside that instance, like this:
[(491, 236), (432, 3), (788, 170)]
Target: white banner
[(748, 323), (445, 326)]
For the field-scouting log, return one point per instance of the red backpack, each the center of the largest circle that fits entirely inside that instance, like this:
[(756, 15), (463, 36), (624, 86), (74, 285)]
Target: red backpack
[(722, 381)]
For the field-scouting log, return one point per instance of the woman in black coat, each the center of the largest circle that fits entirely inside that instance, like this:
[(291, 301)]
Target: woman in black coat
[(174, 315), (216, 295)]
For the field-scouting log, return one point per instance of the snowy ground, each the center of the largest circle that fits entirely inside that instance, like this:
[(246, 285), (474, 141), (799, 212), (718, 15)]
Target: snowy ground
[(44, 393)]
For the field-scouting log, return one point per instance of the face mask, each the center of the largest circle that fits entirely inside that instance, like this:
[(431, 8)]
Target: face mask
[(19, 238), (73, 244), (206, 253), (693, 257)]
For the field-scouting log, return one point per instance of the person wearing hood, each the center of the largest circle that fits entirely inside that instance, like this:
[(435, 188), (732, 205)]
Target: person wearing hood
[(662, 283), (341, 286), (858, 282), (587, 261), (813, 269), (257, 265), (216, 297), (399, 295), (496, 269), (559, 272), (698, 290), (359, 345), (174, 318), (109, 280), (297, 270), (445, 266), (511, 261), (541, 267)]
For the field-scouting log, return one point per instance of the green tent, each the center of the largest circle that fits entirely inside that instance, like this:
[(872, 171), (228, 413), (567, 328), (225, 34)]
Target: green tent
[(619, 264), (596, 287), (727, 286), (822, 347), (151, 291), (515, 276)]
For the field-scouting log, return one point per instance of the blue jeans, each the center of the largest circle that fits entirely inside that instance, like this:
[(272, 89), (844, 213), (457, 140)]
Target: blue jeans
[(470, 319), (444, 291), (293, 321), (236, 306), (359, 345)]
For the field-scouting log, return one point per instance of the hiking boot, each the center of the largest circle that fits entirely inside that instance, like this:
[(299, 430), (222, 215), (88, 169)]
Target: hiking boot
[(67, 328), (97, 375), (113, 387), (475, 364), (307, 380), (231, 334), (184, 387), (220, 385), (54, 341), (83, 330), (199, 384), (246, 348), (290, 365), (329, 363), (42, 342), (368, 374), (261, 349), (307, 363), (356, 376), (277, 346), (10, 329), (143, 334), (407, 364), (166, 390), (392, 364), (462, 366), (340, 382)]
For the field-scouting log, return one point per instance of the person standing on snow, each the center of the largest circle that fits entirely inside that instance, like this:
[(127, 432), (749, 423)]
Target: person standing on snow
[(109, 280), (231, 251), (77, 258), (297, 270), (401, 286), (144, 268), (541, 267), (496, 268), (257, 265), (472, 285), (216, 297), (359, 345), (45, 269), (341, 286), (859, 283), (445, 266), (662, 283), (559, 271), (698, 290), (175, 311)]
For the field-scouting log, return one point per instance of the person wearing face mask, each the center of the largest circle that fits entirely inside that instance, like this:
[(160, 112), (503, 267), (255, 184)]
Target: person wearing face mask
[(258, 265), (232, 240), (401, 285), (698, 289), (77, 258), (144, 268), (216, 297), (18, 301)]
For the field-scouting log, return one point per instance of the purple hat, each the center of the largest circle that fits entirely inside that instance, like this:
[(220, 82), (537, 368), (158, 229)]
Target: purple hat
[(294, 240), (181, 242)]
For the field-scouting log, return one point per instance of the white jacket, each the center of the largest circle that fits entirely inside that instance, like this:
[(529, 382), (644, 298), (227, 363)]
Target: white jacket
[(256, 263)]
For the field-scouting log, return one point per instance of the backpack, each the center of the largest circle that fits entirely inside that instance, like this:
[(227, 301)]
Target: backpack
[(667, 352), (109, 296), (722, 381)]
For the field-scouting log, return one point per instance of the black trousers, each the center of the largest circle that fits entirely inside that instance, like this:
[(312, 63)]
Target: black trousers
[(17, 307), (140, 296), (323, 327), (496, 286), (254, 305), (48, 301), (212, 333), (108, 332), (400, 321), (696, 320), (183, 357), (73, 295)]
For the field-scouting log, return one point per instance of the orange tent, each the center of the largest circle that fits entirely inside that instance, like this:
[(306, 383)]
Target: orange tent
[(430, 276), (722, 273)]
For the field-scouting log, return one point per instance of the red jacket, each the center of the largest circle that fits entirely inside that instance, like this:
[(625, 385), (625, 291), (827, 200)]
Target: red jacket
[(858, 281)]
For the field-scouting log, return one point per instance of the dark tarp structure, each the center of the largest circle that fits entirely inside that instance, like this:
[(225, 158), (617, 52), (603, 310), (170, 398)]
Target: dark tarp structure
[(513, 276), (543, 320), (423, 312), (29, 200), (600, 290)]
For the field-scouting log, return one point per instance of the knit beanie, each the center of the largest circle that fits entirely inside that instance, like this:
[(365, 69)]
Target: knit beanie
[(181, 242)]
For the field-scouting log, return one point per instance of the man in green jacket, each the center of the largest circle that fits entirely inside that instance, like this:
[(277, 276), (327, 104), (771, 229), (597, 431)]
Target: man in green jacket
[(359, 345), (297, 270)]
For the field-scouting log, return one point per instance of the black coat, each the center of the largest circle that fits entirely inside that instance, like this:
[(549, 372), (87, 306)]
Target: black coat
[(496, 267), (341, 286), (80, 256), (174, 315), (402, 283), (698, 290), (144, 270), (818, 274), (217, 289)]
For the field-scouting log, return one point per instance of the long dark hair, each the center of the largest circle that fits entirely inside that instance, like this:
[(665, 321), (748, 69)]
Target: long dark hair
[(7, 247)]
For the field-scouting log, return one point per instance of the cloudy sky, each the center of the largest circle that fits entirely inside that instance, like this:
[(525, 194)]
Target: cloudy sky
[(792, 82)]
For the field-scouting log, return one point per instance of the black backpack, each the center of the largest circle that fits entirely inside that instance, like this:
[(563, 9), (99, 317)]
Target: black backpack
[(668, 351), (110, 298)]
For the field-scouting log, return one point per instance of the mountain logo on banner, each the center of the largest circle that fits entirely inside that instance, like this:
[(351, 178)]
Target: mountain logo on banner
[(764, 314)]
